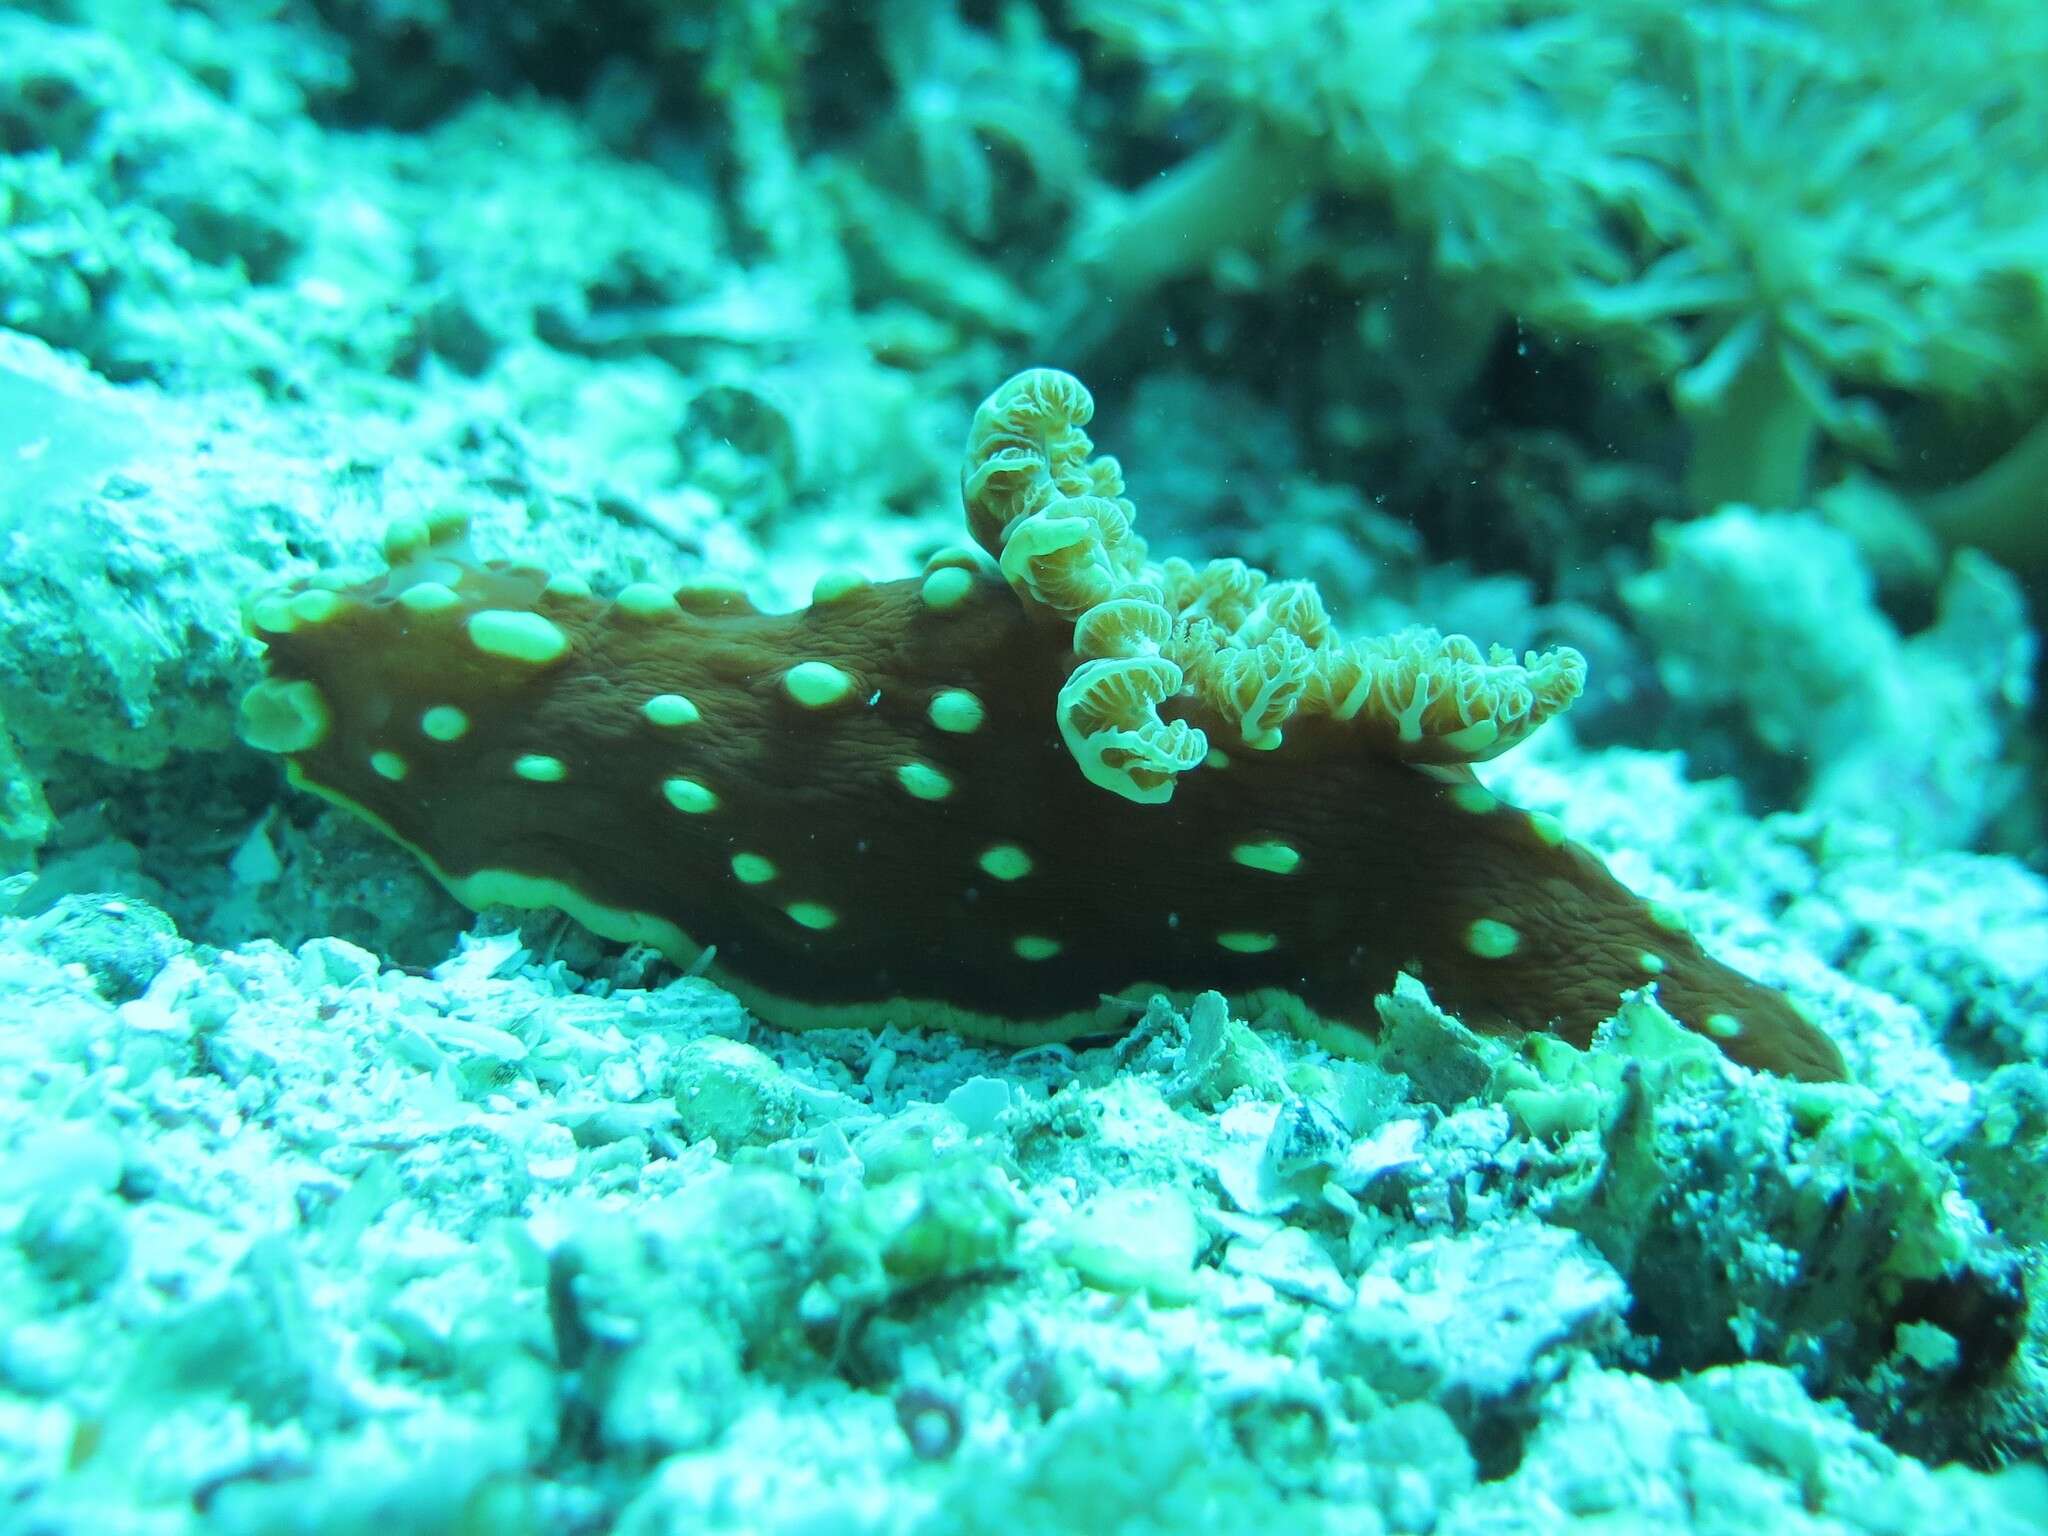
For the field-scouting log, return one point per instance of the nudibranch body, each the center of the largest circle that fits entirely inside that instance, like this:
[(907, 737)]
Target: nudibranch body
[(1005, 801)]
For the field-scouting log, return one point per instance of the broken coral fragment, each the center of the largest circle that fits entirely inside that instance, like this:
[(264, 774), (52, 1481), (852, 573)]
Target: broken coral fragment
[(865, 807)]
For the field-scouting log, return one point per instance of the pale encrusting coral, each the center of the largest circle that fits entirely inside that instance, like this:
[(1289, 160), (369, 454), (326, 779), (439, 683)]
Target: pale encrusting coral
[(329, 1205)]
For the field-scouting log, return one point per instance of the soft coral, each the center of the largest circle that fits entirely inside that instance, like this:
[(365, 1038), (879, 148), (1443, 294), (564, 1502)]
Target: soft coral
[(1780, 210)]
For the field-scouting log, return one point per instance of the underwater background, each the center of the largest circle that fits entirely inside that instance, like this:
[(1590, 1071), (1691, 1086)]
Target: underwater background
[(1710, 340)]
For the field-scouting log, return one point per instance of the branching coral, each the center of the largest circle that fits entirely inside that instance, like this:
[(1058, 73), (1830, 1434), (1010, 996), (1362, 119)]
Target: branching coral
[(864, 806)]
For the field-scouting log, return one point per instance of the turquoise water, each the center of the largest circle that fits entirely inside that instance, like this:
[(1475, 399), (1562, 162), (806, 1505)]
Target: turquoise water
[(1068, 765)]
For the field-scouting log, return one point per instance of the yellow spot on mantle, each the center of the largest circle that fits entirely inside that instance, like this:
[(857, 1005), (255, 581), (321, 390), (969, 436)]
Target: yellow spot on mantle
[(1274, 857), (946, 587), (388, 765), (1034, 946), (1474, 799), (284, 717), (812, 914), (816, 684), (924, 781), (1491, 939), (429, 597), (444, 722), (670, 709), (752, 869), (646, 600), (539, 768), (516, 635), (1005, 861), (835, 584), (690, 797), (404, 539), (956, 710), (315, 606), (274, 613), (1248, 943)]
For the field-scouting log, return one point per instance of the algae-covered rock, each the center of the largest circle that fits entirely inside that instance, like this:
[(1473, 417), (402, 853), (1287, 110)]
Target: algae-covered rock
[(1135, 1240), (121, 942), (1776, 614), (1158, 1464), (1479, 1325), (736, 1095), (657, 1319), (2001, 1152), (1417, 1464), (132, 540), (1962, 937), (1731, 1450), (1447, 1063), (945, 1225), (1206, 1055), (1757, 1219)]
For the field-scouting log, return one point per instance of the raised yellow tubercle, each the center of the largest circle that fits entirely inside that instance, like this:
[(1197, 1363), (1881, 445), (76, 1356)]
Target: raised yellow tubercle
[(284, 716), (956, 710), (671, 710), (817, 684), (646, 600), (516, 635)]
